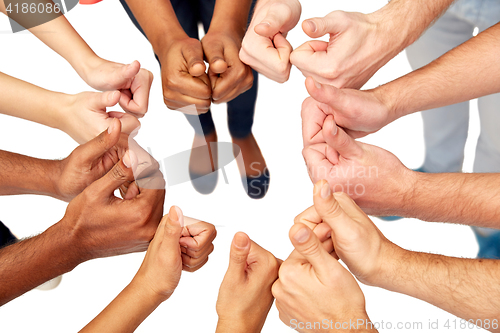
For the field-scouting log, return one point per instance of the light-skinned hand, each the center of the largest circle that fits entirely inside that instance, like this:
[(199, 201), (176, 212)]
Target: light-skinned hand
[(133, 82), (85, 116), (264, 46), (245, 294), (370, 175), (314, 287)]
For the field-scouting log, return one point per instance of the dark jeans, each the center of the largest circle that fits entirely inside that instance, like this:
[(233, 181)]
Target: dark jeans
[(240, 111), (6, 237)]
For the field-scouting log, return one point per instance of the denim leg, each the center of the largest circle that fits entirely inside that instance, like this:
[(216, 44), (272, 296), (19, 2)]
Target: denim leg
[(188, 16), (446, 128)]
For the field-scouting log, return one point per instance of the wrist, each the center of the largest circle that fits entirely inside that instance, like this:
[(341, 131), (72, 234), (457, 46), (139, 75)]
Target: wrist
[(162, 44), (237, 324), (67, 255), (147, 294)]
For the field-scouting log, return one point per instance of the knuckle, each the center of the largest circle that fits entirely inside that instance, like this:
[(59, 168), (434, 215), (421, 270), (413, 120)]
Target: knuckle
[(118, 173)]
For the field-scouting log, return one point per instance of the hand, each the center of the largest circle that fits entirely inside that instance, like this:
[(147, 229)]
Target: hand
[(357, 241), (229, 77), (89, 162), (133, 82), (161, 269), (359, 46), (102, 225), (358, 112), (264, 46), (196, 243), (245, 293), (373, 177), (85, 115), (314, 287), (186, 86)]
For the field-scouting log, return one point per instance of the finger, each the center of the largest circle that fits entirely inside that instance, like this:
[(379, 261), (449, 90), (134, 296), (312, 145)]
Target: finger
[(195, 268), (122, 172), (169, 231), (328, 94), (97, 147), (313, 116), (199, 235), (231, 84), (240, 248), (338, 139), (277, 17), (100, 101), (198, 254), (135, 100), (323, 232), (333, 24), (194, 59), (309, 217), (129, 122), (330, 210), (309, 246), (130, 70), (215, 57)]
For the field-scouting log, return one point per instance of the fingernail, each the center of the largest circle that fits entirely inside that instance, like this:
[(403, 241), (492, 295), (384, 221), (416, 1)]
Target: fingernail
[(334, 127), (241, 242), (112, 95), (179, 216), (111, 127), (325, 190), (126, 160), (329, 235), (312, 25), (317, 84), (302, 235), (266, 23)]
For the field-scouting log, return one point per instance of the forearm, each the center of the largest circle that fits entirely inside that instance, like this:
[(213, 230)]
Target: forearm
[(231, 16), (158, 20), (126, 312), (469, 71), (467, 288), (405, 20), (462, 198), (21, 174), (24, 100), (31, 262)]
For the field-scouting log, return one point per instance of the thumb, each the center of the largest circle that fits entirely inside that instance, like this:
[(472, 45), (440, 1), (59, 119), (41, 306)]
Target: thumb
[(100, 101), (240, 248), (334, 23), (325, 93), (310, 247), (130, 70), (193, 54), (122, 172), (277, 17), (330, 210), (128, 121), (339, 140), (215, 57), (172, 225), (98, 146)]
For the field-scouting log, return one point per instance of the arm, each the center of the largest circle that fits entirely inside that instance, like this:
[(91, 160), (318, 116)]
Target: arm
[(382, 185), (184, 80), (62, 179), (82, 116), (153, 284), (133, 82), (467, 288), (360, 44), (466, 72)]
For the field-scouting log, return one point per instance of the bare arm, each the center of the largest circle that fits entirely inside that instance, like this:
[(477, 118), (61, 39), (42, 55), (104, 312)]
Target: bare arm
[(467, 288), (27, 175), (31, 262), (469, 71)]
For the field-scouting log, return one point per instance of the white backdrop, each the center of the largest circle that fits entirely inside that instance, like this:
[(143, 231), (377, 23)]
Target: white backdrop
[(85, 291)]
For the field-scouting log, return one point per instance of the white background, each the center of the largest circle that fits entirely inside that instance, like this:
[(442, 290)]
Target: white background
[(85, 291)]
